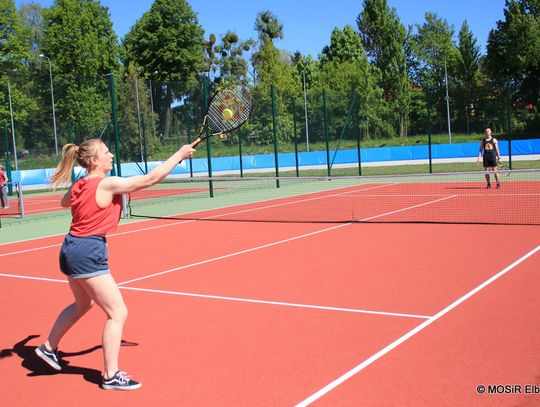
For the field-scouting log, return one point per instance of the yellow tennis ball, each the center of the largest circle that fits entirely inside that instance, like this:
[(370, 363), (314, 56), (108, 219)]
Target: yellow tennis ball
[(227, 114)]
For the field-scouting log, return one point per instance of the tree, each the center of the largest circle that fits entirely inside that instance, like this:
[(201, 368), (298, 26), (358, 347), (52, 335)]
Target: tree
[(345, 45), (268, 26), (232, 65), (14, 56), (467, 70), (385, 42), (513, 58), (272, 68), (167, 43), (32, 18), (346, 78), (134, 114), (38, 129), (82, 46), (432, 48)]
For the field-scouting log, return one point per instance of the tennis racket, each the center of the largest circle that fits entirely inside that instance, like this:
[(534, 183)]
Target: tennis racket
[(503, 168), (229, 108)]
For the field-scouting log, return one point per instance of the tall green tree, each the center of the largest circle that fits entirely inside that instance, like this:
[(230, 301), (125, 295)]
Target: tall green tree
[(268, 26), (134, 115), (272, 68), (14, 56), (345, 45), (433, 48), (32, 18), (267, 56), (83, 49), (167, 43), (513, 59), (344, 71), (467, 74), (231, 62), (385, 41), (39, 128)]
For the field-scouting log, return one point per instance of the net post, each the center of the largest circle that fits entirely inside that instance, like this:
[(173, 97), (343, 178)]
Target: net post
[(145, 154), (358, 136), (188, 131), (208, 140), (325, 119), (8, 160), (124, 207), (115, 122), (429, 130), (240, 152), (274, 126), (295, 137), (20, 197), (509, 120)]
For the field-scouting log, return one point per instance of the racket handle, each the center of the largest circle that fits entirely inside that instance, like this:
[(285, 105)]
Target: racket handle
[(196, 142), (201, 138)]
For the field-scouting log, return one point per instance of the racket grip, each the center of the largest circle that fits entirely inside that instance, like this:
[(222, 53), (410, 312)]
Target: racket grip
[(196, 142)]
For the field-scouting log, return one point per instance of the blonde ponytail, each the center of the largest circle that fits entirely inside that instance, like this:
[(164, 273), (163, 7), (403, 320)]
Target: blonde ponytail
[(71, 152), (62, 174)]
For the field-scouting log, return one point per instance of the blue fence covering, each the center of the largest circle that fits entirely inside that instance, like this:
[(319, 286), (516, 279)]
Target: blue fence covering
[(314, 158)]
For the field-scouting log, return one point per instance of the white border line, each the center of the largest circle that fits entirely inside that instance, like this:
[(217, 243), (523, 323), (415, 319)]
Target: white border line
[(238, 299), (275, 243), (33, 278), (235, 253), (411, 333), (286, 304)]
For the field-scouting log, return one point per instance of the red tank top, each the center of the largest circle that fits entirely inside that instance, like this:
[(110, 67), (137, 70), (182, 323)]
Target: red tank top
[(88, 218)]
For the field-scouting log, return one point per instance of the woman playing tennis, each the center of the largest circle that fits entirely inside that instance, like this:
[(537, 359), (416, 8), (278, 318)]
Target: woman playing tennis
[(96, 204)]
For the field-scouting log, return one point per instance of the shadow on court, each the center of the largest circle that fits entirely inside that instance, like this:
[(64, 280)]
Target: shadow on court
[(481, 186), (38, 367)]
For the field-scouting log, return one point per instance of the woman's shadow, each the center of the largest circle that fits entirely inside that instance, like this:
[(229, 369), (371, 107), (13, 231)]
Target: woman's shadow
[(38, 367)]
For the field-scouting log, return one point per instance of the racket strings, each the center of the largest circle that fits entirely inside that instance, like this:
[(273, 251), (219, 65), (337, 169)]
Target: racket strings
[(236, 100)]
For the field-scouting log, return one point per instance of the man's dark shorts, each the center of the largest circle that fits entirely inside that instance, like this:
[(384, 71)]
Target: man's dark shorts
[(490, 161)]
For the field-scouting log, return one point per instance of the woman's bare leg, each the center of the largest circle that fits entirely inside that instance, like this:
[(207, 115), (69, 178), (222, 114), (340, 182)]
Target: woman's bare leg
[(105, 293), (69, 315)]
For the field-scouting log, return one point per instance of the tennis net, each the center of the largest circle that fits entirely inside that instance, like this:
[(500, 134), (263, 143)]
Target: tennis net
[(426, 198)]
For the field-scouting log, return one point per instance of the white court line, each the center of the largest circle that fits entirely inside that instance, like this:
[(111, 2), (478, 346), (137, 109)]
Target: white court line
[(238, 299), (30, 250), (410, 207), (165, 225), (339, 194), (272, 244), (55, 280), (221, 257), (225, 256), (411, 333), (110, 235), (286, 304)]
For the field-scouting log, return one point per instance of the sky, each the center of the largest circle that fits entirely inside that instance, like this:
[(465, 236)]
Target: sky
[(308, 24)]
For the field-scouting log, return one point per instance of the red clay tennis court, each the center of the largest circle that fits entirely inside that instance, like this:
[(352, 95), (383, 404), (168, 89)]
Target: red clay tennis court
[(288, 313)]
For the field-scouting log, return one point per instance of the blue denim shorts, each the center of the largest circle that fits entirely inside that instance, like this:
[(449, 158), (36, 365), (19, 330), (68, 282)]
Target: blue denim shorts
[(84, 257)]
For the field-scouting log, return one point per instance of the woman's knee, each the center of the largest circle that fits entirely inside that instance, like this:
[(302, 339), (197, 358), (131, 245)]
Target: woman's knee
[(119, 312)]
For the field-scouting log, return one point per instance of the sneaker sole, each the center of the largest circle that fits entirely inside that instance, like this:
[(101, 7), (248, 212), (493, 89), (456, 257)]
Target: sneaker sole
[(47, 360), (124, 388)]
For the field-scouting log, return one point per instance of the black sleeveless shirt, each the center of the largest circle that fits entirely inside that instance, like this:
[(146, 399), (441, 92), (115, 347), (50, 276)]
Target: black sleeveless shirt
[(489, 147)]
